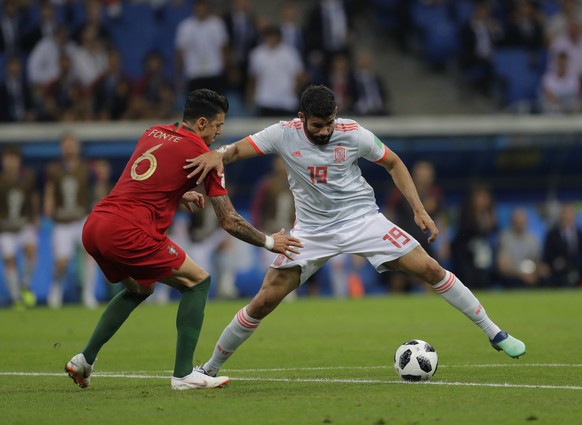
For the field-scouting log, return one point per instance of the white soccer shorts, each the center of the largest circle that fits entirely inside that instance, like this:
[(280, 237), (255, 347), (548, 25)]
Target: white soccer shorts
[(373, 237), (67, 237), (11, 242)]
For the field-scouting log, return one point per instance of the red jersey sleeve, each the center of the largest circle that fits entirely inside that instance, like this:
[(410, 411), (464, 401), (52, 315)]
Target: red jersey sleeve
[(215, 185)]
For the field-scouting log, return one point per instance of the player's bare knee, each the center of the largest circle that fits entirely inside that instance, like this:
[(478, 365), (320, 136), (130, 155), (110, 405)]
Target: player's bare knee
[(265, 302), (433, 271), (258, 308)]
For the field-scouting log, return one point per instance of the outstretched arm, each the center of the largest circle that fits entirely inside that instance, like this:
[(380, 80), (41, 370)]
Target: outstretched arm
[(403, 181), (216, 160), (231, 221)]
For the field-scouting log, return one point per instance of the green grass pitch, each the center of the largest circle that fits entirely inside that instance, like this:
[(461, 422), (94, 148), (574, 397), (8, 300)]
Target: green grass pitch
[(313, 361)]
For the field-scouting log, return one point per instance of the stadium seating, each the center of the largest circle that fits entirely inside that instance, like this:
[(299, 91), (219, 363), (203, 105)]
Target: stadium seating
[(518, 72), (438, 33), (386, 13)]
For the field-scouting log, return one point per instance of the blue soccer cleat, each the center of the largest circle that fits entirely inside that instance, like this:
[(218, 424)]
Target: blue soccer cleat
[(511, 346)]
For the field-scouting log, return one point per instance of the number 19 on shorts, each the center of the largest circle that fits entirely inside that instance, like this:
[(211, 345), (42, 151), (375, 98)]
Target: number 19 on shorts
[(396, 237)]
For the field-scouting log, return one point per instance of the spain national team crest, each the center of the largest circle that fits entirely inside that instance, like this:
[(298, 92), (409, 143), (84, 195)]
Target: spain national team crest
[(339, 154), (279, 260)]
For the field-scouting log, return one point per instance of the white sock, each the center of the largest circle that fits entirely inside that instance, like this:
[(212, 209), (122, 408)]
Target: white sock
[(238, 331), (55, 296), (12, 283), (90, 283), (27, 275), (460, 297)]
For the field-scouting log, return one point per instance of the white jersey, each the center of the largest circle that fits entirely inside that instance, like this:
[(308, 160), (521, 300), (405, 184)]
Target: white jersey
[(326, 182)]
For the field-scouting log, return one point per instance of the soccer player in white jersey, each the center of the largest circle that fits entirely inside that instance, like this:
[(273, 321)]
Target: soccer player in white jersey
[(337, 213)]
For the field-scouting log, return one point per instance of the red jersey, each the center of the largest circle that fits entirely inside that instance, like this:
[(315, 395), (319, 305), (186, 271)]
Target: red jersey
[(149, 190)]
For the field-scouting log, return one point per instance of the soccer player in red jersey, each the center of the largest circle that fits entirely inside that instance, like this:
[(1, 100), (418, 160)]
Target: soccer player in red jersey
[(125, 233)]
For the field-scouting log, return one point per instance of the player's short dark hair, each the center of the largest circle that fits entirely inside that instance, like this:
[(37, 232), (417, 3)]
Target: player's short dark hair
[(204, 103), (317, 101)]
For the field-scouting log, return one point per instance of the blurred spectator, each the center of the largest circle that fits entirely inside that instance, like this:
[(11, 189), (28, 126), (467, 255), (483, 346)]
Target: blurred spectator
[(19, 219), (11, 38), (213, 249), (113, 8), (316, 68), (342, 82), (45, 27), (101, 170), (398, 211), (201, 45), (153, 96), (472, 250), (90, 58), (65, 98), (519, 254), (16, 103), (93, 19), (243, 33), (560, 88), (525, 27), (570, 43), (478, 39), (290, 25), (44, 62), (328, 28), (345, 276), (272, 206), (112, 91), (557, 24), (276, 75), (370, 96), (67, 200), (563, 249)]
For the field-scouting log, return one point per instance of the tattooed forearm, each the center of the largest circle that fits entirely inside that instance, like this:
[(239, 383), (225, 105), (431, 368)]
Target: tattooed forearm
[(233, 223)]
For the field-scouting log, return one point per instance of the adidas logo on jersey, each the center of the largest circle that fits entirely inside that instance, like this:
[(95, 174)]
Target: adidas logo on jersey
[(297, 154)]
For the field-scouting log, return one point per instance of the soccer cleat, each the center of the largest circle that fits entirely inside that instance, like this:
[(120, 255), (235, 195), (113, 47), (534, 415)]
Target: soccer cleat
[(199, 379), (79, 370), (511, 346)]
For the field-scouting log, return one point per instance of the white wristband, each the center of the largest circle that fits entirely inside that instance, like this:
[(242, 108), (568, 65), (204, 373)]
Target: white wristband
[(269, 242)]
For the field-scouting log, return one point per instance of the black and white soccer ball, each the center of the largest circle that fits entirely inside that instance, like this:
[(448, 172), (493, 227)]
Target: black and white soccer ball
[(416, 360)]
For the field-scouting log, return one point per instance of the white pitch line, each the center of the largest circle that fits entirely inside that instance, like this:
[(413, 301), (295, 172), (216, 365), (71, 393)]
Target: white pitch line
[(320, 380), (309, 369)]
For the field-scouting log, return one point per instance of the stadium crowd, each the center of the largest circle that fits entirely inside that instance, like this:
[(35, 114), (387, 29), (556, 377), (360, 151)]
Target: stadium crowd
[(112, 60), (524, 53), (78, 61), (489, 246)]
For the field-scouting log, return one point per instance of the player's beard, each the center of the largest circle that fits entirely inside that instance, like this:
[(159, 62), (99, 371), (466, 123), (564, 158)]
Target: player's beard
[(318, 140)]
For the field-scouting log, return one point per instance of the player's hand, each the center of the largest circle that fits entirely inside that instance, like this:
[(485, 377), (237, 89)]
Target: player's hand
[(285, 245), (204, 164), (427, 225), (191, 199)]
